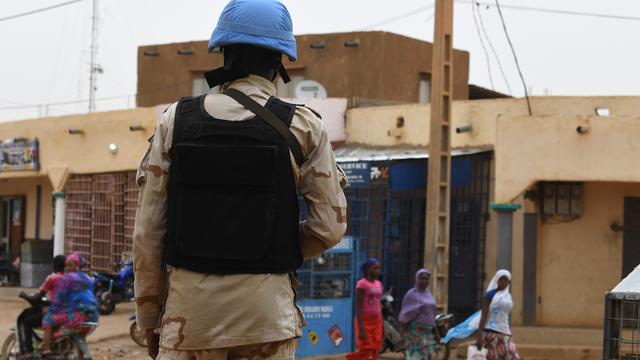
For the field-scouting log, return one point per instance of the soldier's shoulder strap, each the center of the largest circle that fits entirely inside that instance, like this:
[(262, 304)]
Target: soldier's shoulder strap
[(271, 119)]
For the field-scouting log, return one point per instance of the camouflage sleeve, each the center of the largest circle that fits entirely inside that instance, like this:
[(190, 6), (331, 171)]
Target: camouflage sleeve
[(321, 182), (150, 225)]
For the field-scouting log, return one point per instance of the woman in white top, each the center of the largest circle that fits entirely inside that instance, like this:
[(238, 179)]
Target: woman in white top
[(494, 332)]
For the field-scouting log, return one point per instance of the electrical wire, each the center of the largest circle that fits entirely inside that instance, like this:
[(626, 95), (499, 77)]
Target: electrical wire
[(15, 16), (26, 106), (430, 17), (11, 102), (515, 57), (511, 7), (493, 50), (556, 11), (484, 48), (398, 17)]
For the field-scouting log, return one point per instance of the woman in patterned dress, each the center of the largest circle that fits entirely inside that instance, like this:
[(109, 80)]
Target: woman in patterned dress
[(74, 302), (494, 332)]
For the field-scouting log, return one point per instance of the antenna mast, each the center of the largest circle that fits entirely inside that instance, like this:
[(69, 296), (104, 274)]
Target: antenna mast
[(94, 68)]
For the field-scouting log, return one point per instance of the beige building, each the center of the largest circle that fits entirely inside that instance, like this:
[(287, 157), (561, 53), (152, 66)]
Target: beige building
[(77, 180), (72, 179), (364, 67), (564, 186), (572, 173), (565, 179)]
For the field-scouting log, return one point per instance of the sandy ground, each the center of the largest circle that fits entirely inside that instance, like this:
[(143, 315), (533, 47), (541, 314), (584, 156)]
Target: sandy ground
[(124, 348), (110, 341), (118, 348)]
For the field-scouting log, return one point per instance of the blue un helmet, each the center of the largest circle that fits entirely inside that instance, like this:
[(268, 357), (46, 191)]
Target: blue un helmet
[(252, 34), (261, 23)]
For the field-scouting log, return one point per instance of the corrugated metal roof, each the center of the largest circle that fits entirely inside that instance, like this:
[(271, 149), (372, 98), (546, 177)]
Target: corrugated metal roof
[(351, 153)]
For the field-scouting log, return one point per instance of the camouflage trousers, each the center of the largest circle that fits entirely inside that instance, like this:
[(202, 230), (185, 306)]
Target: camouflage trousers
[(279, 350)]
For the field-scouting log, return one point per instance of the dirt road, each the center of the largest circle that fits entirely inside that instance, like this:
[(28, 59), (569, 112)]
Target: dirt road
[(115, 325), (110, 341), (118, 348)]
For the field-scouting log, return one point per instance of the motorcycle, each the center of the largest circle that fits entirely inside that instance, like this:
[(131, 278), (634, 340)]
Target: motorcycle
[(137, 335), (66, 344), (393, 333), (112, 289)]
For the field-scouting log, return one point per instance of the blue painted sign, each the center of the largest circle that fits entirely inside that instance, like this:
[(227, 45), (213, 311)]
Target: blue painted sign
[(408, 175), (327, 301), (412, 174), (460, 172), (358, 173), (345, 245), (329, 328)]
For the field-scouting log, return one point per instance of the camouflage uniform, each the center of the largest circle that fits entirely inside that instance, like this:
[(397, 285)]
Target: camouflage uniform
[(204, 316)]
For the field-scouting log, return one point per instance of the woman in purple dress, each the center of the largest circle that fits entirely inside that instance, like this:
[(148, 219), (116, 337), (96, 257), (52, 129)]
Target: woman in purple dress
[(419, 316)]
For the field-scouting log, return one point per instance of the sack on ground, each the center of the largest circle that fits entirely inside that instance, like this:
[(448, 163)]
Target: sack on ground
[(473, 353)]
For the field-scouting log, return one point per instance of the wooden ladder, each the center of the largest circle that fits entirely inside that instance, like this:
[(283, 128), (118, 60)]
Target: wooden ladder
[(436, 250)]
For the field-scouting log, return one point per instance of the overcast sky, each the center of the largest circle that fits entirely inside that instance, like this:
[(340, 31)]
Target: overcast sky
[(45, 56)]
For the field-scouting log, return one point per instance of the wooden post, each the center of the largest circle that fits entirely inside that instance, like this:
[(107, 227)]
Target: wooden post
[(436, 250)]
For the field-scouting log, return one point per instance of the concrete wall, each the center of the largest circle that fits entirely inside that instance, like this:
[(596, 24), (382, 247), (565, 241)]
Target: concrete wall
[(374, 126), (62, 154), (86, 153), (578, 261), (531, 149), (528, 148), (377, 126), (384, 66)]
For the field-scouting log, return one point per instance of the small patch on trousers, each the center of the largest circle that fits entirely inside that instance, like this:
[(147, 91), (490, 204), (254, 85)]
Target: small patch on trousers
[(169, 323)]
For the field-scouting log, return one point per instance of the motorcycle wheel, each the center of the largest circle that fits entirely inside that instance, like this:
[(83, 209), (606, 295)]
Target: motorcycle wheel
[(69, 350), (10, 348), (129, 293), (386, 346), (138, 335), (443, 352), (105, 305)]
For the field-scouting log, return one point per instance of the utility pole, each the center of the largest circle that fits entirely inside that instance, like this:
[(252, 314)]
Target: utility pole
[(436, 250), (94, 68)]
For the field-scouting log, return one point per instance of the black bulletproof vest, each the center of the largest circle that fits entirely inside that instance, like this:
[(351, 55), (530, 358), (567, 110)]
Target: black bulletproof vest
[(232, 200)]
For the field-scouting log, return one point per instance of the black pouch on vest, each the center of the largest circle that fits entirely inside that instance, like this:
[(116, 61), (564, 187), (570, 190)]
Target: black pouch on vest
[(240, 180)]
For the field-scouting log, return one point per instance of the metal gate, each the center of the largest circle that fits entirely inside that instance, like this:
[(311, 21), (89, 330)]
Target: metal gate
[(386, 213), (99, 217), (366, 218), (470, 177), (326, 299)]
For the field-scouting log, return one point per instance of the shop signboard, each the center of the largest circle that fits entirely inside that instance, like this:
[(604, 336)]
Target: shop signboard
[(19, 155)]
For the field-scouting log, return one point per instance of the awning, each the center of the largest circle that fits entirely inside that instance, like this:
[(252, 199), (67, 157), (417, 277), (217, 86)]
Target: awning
[(629, 287), (353, 153)]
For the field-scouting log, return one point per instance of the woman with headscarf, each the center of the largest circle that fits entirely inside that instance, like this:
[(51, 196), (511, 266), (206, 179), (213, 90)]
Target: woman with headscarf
[(494, 332), (368, 322), (74, 302), (418, 313)]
